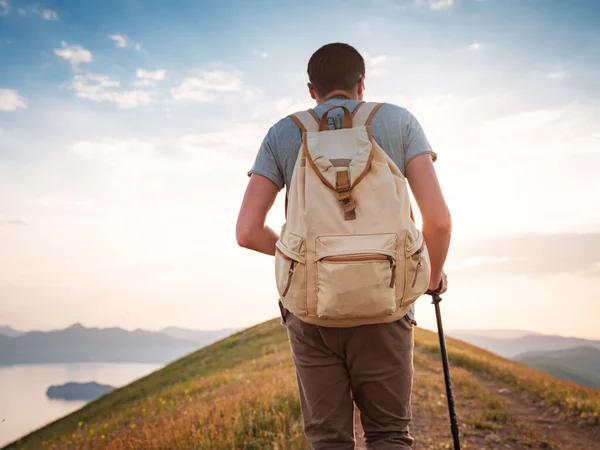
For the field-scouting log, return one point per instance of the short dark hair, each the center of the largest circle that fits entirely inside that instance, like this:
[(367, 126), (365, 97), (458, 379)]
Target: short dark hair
[(335, 66)]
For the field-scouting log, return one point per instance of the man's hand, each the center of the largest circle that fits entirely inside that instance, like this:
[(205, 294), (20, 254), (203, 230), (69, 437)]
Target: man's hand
[(251, 231), (434, 285)]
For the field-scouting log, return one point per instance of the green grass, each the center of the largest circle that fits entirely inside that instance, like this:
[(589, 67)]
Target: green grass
[(580, 365)]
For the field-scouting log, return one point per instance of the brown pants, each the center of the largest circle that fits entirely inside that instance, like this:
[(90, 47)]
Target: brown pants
[(371, 365)]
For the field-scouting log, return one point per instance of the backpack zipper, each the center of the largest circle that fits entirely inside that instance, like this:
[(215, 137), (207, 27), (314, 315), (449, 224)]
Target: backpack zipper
[(289, 278), (419, 263), (288, 283), (366, 257)]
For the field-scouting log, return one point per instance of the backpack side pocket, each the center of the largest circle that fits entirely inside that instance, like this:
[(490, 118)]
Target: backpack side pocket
[(290, 272)]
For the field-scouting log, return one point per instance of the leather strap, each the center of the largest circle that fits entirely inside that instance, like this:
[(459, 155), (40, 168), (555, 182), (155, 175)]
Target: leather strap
[(364, 115), (306, 120), (356, 109), (342, 187)]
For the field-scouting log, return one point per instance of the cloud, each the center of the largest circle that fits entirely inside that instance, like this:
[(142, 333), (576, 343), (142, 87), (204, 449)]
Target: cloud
[(530, 254), (46, 14), (123, 41), (10, 100), (274, 110), (558, 75), (13, 223), (540, 132), (208, 85), (110, 149), (156, 75), (296, 77), (375, 64), (119, 39), (434, 5), (238, 140), (263, 55), (149, 78), (476, 46), (75, 54), (99, 88)]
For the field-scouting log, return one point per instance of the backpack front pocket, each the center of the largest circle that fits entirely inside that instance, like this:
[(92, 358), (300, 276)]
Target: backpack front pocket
[(356, 276), (290, 272)]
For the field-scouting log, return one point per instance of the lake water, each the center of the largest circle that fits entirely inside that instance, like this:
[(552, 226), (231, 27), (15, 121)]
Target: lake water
[(23, 402)]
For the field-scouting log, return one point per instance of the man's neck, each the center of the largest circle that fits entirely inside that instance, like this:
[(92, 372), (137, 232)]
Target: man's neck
[(337, 94)]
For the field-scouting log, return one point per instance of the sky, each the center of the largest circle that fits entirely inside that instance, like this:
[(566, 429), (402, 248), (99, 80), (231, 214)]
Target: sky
[(127, 128)]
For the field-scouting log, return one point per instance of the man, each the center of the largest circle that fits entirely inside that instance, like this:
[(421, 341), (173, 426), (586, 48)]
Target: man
[(368, 364)]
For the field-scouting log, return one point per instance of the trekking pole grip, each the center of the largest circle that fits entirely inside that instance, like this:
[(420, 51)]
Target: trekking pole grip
[(435, 294)]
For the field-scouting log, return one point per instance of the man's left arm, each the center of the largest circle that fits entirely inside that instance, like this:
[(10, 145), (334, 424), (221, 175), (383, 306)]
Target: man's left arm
[(251, 229), (266, 180)]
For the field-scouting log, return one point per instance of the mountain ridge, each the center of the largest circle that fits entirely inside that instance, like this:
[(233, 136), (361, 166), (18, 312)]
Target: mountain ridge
[(6, 330), (77, 343), (511, 347)]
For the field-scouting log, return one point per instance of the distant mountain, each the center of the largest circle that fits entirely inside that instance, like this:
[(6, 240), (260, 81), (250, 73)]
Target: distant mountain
[(203, 337), (8, 331), (80, 344), (498, 334), (510, 346), (580, 365)]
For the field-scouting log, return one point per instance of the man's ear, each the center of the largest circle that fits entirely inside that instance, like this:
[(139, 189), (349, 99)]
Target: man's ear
[(311, 91), (361, 86)]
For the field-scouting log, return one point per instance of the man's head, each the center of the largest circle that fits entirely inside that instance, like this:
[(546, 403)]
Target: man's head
[(336, 69)]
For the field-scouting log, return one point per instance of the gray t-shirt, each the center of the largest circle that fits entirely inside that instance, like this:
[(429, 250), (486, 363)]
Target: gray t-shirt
[(395, 129)]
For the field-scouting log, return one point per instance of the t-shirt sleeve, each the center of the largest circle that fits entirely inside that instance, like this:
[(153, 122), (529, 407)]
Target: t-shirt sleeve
[(416, 143), (266, 163)]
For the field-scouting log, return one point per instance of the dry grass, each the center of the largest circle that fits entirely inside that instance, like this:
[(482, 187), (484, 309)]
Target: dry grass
[(253, 406), (241, 393)]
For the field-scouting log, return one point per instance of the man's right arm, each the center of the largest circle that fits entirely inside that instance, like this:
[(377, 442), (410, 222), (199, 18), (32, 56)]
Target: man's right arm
[(437, 222)]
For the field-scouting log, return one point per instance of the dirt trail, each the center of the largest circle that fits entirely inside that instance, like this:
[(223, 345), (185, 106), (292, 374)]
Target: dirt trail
[(491, 416)]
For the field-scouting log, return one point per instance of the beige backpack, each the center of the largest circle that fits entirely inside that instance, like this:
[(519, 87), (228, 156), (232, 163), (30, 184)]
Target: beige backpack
[(349, 253)]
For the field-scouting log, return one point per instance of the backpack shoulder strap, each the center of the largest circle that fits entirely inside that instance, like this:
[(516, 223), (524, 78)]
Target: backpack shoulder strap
[(306, 120), (364, 112)]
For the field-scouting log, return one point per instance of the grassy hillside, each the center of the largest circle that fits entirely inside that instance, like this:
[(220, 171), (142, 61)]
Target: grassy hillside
[(240, 393), (580, 365)]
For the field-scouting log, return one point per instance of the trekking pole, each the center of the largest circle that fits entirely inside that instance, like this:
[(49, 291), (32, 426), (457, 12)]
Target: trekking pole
[(436, 299)]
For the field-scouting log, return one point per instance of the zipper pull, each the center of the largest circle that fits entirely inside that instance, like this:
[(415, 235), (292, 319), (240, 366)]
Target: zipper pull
[(417, 271), (289, 278), (393, 268)]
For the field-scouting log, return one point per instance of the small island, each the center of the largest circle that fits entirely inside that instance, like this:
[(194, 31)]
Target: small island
[(79, 391)]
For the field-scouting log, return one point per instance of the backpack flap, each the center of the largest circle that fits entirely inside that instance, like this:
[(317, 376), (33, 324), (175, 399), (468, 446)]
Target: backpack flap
[(340, 158)]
